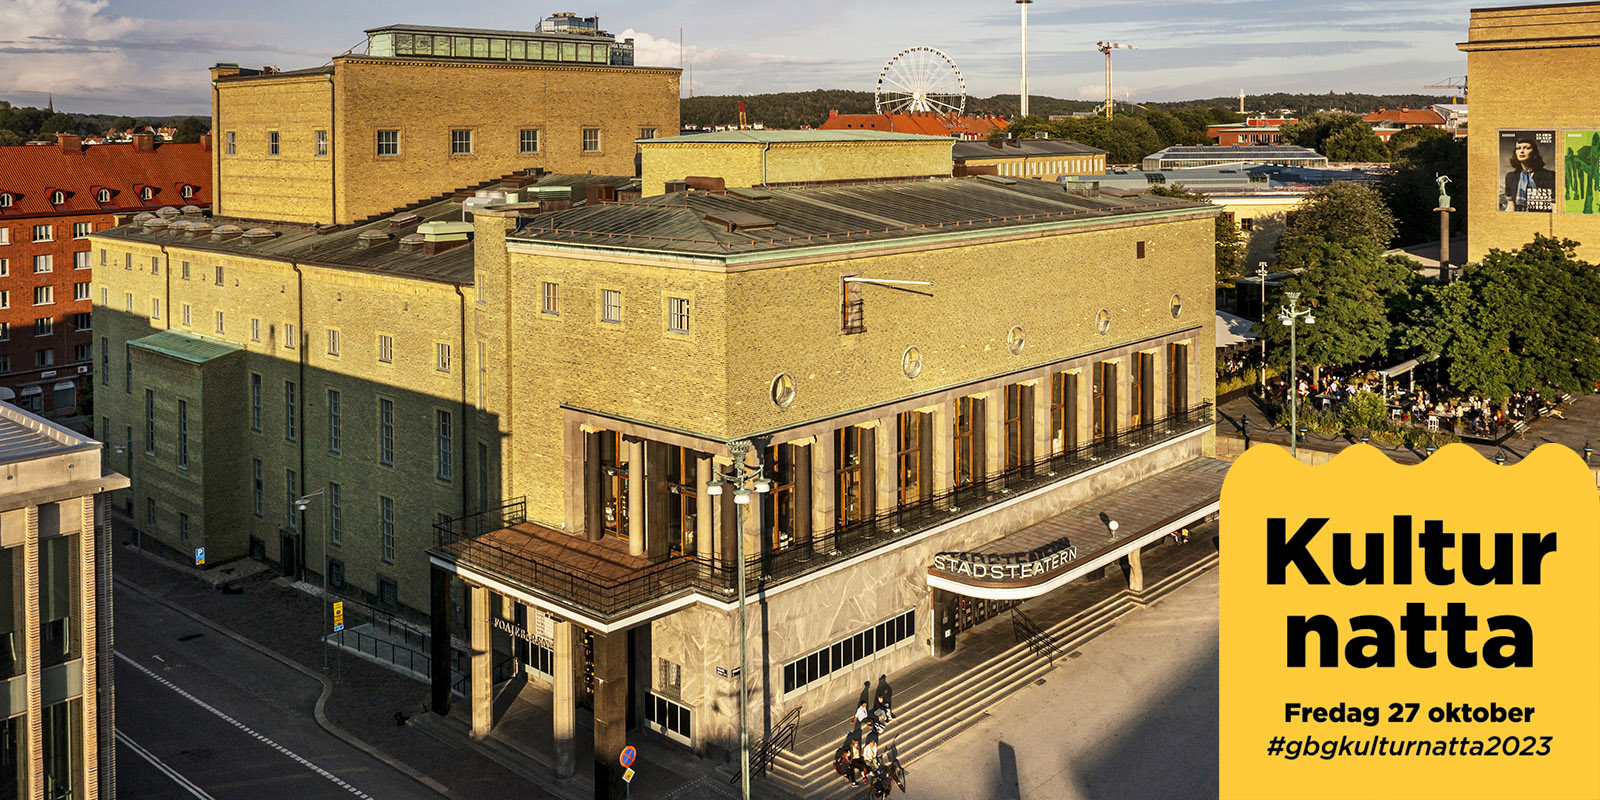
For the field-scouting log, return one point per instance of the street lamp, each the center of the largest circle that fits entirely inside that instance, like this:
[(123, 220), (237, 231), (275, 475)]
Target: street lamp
[(1291, 316), (740, 476), (300, 504), (1261, 276)]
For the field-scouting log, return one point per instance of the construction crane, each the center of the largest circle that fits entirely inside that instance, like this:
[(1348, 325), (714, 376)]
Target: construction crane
[(1105, 48), (741, 115), (1452, 84)]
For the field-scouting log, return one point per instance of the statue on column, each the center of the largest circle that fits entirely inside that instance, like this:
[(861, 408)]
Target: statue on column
[(1444, 198)]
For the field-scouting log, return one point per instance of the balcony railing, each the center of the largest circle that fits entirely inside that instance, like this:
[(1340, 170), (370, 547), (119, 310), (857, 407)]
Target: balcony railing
[(461, 539)]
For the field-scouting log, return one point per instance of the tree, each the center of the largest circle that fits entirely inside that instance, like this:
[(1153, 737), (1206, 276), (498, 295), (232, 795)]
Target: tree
[(1230, 244), (1523, 319), (1355, 143), (1411, 188), (1339, 212), (1316, 130), (1411, 137), (8, 137), (1352, 288), (121, 125), (58, 123), (190, 130)]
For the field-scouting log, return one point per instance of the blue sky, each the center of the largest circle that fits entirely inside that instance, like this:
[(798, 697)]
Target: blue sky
[(150, 56)]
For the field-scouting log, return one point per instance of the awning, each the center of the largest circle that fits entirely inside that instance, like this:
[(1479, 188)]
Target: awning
[(1406, 366), (7, 394), (1233, 329), (63, 385), (29, 391)]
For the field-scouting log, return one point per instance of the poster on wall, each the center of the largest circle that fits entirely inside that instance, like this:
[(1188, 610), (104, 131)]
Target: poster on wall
[(1581, 167), (1529, 183)]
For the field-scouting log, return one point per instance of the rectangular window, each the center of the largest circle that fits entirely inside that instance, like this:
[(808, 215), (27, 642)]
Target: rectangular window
[(1141, 390), (1138, 249), (219, 274), (1247, 224), (529, 141), (461, 142), (44, 326), (854, 319), (5, 364), (611, 306), (5, 264), (183, 527), (183, 434), (5, 235), (850, 492), (1018, 427), (272, 143), (839, 656), (291, 427), (149, 422), (333, 342), (444, 434), (255, 329), (80, 352), (552, 298), (255, 402), (232, 146), (221, 328), (186, 270), (677, 315), (155, 265), (105, 361), (321, 139), (1177, 378), (43, 262), (80, 291), (334, 420), (127, 302), (385, 348), (5, 299), (388, 143), (591, 140), (386, 528), (44, 233), (80, 260), (647, 133), (1103, 391), (257, 486), (914, 479), (442, 360), (386, 432), (669, 718), (291, 491), (44, 358), (127, 261), (290, 340), (968, 445), (188, 316), (335, 513), (1063, 412)]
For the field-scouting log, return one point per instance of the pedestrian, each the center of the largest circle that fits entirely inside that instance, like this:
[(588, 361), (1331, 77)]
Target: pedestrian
[(883, 707)]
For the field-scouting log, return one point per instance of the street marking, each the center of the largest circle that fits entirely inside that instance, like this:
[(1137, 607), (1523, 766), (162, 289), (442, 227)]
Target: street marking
[(337, 781), (177, 778)]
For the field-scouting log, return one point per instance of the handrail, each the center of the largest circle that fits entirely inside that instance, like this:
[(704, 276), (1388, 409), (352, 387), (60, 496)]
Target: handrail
[(1040, 642)]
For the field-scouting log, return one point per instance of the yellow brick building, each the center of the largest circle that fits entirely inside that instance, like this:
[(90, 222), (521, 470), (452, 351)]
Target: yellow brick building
[(766, 158), (1042, 159), (1505, 47), (369, 133)]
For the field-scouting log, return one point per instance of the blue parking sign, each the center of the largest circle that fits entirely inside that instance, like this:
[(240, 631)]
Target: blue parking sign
[(199, 556)]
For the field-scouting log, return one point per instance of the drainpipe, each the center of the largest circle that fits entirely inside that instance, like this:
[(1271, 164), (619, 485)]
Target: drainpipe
[(217, 146), (167, 301), (333, 172), (461, 298), (300, 352), (764, 149)]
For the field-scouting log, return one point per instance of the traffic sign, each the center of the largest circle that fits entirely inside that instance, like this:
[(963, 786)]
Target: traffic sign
[(199, 556), (338, 616), (628, 754), (627, 776)]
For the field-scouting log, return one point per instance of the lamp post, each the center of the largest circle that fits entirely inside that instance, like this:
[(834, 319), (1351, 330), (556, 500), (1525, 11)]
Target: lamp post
[(300, 504), (746, 481), (1261, 276), (1291, 316)]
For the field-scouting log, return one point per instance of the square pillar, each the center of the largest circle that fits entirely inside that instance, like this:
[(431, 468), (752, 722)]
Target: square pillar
[(439, 644), (1041, 417), (480, 683), (944, 436), (564, 701), (822, 458), (944, 623), (888, 471), (994, 435), (703, 542), (610, 712), (802, 498), (656, 500), (1135, 571), (635, 497)]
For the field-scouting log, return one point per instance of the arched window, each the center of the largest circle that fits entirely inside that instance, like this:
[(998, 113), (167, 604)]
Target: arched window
[(103, 196), (146, 193), (188, 191), (5, 199), (57, 198)]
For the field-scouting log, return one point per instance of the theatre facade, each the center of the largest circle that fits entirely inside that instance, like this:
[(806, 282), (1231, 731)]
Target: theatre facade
[(959, 393)]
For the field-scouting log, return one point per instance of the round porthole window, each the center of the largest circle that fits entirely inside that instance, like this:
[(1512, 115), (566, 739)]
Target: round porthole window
[(1102, 322), (1016, 339), (911, 362), (782, 390), (1177, 306)]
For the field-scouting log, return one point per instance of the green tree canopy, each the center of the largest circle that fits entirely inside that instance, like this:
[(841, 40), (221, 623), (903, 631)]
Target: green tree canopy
[(190, 130), (1520, 320), (1339, 212), (121, 124), (1355, 143), (1315, 131), (8, 137), (1350, 287), (58, 123), (1230, 243), (1411, 188)]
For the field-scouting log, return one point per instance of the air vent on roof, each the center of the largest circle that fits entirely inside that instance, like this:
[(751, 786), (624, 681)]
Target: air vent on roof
[(154, 225), (997, 179), (198, 229), (175, 227), (534, 193), (751, 194), (674, 187), (740, 221), (191, 211), (142, 216), (445, 231), (1114, 192), (402, 220), (411, 243), (259, 234), (372, 238), (223, 233), (167, 212)]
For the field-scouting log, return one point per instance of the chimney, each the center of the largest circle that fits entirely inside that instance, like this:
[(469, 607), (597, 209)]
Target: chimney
[(674, 187), (205, 142), (706, 184), (833, 112), (144, 143), (70, 143)]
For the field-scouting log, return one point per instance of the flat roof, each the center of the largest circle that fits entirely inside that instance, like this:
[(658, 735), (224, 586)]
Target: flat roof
[(793, 218), (1024, 148), (792, 137), (190, 347)]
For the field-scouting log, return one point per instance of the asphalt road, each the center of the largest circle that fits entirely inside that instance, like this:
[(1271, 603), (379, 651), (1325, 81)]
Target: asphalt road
[(201, 715)]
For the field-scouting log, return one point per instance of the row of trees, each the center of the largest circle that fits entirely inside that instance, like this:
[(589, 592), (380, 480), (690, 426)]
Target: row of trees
[(1132, 134), (20, 124)]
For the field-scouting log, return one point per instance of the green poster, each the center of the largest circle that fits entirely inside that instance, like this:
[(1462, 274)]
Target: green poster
[(1580, 158)]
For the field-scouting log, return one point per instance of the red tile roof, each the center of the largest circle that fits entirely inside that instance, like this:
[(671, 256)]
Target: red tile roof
[(1407, 116), (30, 173), (929, 124)]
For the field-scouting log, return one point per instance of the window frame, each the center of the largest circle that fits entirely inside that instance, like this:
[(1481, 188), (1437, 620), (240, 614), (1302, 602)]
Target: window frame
[(461, 141), (522, 141), (597, 146), (393, 146)]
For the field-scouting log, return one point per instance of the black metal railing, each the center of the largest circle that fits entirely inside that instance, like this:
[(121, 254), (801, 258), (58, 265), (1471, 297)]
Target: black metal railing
[(781, 738), (461, 540), (1039, 641)]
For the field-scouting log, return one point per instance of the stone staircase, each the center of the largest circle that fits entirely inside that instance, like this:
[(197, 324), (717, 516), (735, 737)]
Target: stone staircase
[(922, 723)]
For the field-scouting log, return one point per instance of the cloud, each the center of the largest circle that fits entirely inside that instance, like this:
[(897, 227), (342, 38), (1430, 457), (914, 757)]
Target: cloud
[(736, 71)]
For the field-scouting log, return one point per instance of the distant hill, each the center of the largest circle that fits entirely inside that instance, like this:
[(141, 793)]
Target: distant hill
[(795, 109)]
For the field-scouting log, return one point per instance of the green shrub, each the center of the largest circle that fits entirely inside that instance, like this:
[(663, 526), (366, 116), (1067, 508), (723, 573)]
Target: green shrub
[(1364, 409)]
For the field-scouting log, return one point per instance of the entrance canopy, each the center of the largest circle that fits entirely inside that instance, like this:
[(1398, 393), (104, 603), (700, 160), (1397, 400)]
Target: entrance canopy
[(1041, 558)]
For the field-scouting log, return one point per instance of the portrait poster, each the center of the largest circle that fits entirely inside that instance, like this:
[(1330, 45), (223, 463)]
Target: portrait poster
[(1580, 162), (1526, 161)]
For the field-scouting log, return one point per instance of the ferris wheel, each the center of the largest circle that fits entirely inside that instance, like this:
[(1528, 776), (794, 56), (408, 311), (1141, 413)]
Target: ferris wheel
[(920, 80)]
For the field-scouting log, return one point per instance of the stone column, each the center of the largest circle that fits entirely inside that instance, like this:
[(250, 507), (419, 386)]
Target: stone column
[(1135, 571), (635, 497), (703, 510), (822, 458), (439, 618), (564, 702), (1041, 416), (1085, 405), (944, 435), (610, 711), (802, 499), (480, 686), (994, 436), (888, 471), (944, 623), (752, 515)]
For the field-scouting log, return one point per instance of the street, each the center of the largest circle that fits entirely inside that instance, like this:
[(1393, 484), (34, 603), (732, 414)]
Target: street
[(1135, 716), (201, 715)]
